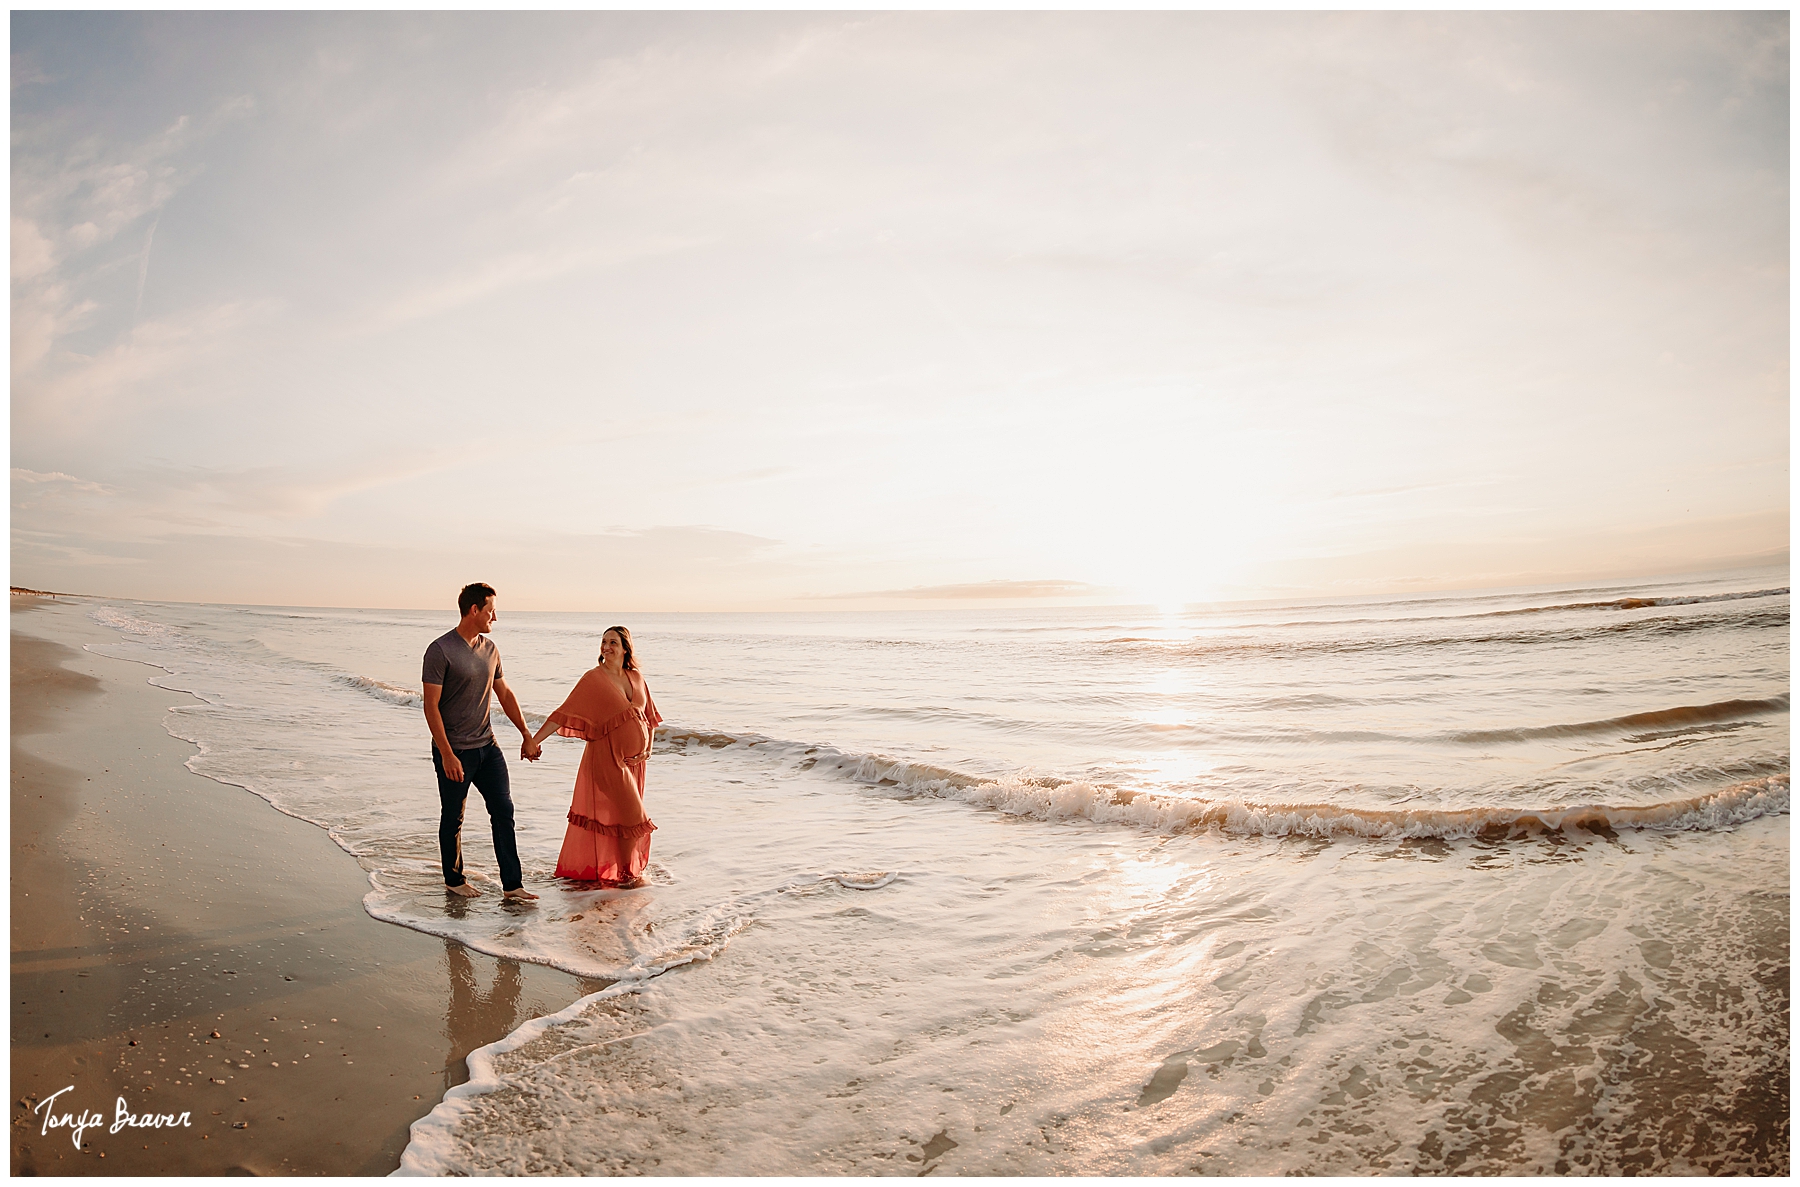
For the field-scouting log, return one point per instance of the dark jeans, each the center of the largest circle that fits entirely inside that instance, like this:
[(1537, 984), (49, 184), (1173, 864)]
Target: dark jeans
[(486, 769)]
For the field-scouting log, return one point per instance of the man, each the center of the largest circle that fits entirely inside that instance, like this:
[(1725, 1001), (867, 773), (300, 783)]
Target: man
[(462, 670)]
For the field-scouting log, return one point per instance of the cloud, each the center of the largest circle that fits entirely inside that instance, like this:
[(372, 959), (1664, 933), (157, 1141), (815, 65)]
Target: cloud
[(32, 253), (686, 567), (61, 553), (73, 196), (509, 270), (282, 492), (35, 491), (978, 590), (690, 543), (1511, 558), (78, 390), (33, 477)]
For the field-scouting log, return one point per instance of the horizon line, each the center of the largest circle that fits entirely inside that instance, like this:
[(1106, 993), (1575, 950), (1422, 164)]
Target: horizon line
[(935, 602)]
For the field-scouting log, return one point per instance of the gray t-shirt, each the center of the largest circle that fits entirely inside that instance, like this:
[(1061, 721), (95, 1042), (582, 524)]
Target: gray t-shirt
[(467, 674)]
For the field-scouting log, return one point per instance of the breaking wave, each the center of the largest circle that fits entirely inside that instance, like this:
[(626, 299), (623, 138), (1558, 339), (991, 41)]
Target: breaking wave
[(116, 618), (1662, 723), (1622, 603), (1229, 646), (1726, 808), (1631, 727), (1051, 798), (1642, 603), (410, 698)]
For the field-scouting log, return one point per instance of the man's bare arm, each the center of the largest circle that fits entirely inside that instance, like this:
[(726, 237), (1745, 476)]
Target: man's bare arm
[(453, 770), (509, 704)]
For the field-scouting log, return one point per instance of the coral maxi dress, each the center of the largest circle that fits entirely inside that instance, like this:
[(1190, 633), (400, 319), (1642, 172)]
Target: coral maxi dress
[(609, 834)]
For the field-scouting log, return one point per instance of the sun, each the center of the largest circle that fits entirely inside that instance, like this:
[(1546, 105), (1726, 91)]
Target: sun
[(1170, 599)]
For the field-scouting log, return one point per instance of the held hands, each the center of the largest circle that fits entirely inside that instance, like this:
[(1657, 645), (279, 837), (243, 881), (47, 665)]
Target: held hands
[(530, 750)]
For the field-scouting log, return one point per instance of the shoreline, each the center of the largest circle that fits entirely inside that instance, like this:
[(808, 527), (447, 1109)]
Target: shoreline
[(152, 907)]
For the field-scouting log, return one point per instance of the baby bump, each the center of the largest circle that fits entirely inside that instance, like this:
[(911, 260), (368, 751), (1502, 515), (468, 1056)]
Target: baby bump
[(629, 741)]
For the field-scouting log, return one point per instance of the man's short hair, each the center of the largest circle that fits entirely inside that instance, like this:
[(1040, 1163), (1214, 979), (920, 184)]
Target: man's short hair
[(473, 595)]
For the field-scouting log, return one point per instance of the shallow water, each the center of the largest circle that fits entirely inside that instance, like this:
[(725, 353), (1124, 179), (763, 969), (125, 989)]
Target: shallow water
[(1486, 883)]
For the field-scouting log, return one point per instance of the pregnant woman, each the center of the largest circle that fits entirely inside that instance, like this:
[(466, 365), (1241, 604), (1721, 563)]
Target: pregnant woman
[(609, 833)]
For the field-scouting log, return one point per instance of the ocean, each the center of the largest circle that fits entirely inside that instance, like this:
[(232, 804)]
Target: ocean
[(1480, 883)]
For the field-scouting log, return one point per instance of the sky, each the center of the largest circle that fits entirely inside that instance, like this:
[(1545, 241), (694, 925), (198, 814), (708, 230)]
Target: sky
[(811, 311)]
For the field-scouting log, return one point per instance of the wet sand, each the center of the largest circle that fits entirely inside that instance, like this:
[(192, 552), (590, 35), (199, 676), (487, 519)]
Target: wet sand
[(152, 908)]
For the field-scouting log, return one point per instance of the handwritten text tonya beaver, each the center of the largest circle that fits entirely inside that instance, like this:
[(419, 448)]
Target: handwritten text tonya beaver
[(122, 1119)]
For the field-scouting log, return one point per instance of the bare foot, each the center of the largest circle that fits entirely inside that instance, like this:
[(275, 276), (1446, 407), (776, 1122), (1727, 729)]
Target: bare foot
[(519, 895), (464, 889)]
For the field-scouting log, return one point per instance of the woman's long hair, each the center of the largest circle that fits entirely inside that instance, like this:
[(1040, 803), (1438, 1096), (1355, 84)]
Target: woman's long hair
[(630, 664)]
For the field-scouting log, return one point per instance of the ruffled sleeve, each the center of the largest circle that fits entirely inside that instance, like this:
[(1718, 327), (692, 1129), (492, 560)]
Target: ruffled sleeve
[(593, 710)]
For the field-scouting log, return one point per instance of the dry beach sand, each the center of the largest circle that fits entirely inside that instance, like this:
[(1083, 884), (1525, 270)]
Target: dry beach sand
[(152, 907)]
